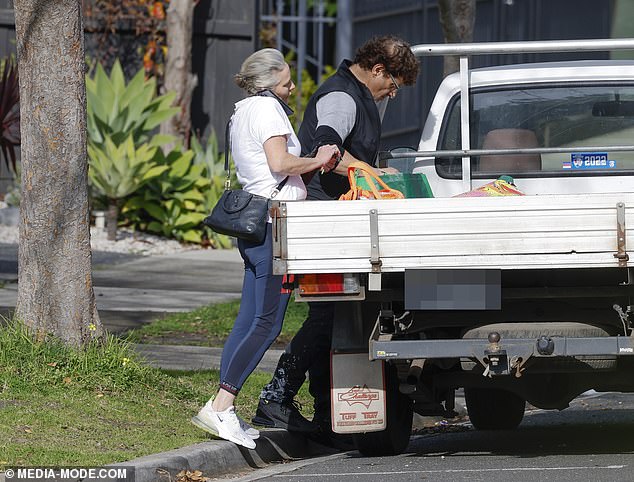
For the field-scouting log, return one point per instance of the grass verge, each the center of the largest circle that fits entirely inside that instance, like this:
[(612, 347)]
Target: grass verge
[(62, 406), (210, 325)]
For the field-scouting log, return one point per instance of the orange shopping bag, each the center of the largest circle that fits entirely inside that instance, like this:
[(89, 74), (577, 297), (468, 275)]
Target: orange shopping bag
[(502, 186), (355, 192)]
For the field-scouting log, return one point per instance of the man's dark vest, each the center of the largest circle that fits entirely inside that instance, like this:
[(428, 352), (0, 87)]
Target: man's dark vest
[(363, 140)]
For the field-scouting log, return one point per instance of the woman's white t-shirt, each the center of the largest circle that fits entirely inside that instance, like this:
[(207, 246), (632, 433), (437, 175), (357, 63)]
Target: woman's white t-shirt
[(255, 120)]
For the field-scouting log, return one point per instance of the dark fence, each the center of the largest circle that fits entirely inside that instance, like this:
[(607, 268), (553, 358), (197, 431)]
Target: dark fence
[(224, 35)]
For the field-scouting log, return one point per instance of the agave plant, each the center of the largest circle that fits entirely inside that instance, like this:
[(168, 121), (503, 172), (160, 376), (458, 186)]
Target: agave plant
[(9, 112), (116, 171), (174, 200), (118, 110), (120, 121)]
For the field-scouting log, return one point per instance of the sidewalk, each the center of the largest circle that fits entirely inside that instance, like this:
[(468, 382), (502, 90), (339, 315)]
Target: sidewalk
[(134, 290)]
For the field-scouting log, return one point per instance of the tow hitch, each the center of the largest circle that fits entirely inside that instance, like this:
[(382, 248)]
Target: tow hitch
[(495, 358)]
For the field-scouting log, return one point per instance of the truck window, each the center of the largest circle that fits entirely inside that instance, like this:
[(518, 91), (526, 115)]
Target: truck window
[(552, 116)]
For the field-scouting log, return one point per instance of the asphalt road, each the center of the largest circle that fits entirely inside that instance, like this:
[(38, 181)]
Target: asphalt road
[(593, 440)]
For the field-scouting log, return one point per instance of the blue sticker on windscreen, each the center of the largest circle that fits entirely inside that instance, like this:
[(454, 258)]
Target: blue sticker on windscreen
[(589, 160)]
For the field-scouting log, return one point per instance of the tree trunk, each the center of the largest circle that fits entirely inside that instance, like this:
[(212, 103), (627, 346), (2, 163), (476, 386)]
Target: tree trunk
[(178, 75), (112, 218), (457, 18), (55, 291)]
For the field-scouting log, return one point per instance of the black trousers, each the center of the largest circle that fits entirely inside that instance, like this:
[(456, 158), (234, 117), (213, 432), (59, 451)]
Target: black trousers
[(308, 351)]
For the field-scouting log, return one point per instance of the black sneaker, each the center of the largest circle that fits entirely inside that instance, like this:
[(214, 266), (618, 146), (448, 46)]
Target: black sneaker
[(282, 415)]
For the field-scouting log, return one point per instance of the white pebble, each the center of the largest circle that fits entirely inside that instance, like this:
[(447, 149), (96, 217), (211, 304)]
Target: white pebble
[(131, 242)]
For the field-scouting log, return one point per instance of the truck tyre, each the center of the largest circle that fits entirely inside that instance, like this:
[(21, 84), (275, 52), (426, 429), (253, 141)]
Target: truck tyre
[(494, 409), (399, 412)]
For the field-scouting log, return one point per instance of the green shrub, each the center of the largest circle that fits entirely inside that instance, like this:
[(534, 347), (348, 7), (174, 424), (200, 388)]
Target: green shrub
[(175, 203), (120, 120), (117, 171), (214, 162), (172, 204)]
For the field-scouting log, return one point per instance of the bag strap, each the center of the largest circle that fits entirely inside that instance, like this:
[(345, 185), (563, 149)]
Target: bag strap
[(227, 149), (370, 177), (277, 189)]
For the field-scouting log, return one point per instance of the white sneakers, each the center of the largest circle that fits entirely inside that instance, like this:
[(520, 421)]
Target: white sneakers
[(254, 433), (226, 425)]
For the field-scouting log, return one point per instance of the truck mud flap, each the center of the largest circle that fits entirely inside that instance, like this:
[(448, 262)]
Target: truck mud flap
[(357, 394)]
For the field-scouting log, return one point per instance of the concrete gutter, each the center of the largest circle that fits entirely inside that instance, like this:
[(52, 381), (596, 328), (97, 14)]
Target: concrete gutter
[(217, 458)]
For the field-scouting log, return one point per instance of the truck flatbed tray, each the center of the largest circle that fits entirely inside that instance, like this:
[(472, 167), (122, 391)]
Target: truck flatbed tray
[(514, 232)]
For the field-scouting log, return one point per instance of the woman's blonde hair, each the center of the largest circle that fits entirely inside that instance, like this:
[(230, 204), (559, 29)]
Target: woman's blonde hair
[(261, 70)]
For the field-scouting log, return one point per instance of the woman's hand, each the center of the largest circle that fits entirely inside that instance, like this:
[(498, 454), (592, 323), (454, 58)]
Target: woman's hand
[(328, 156)]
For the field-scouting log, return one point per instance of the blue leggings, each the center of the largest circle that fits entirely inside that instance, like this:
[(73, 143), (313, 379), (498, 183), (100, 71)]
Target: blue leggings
[(258, 323)]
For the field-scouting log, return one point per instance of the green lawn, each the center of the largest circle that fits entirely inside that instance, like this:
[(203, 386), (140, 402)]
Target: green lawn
[(210, 325), (60, 406)]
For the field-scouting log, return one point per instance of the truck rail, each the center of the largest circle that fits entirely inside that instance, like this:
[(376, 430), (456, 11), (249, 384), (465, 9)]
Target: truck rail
[(517, 232)]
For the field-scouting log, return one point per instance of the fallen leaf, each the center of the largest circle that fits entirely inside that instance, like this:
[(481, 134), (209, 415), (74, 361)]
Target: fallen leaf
[(67, 380), (188, 476), (54, 364)]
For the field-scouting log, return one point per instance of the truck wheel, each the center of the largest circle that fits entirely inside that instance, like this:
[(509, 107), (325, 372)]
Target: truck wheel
[(494, 409), (399, 412)]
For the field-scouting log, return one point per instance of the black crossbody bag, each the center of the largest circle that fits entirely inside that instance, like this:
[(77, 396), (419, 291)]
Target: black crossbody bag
[(239, 213)]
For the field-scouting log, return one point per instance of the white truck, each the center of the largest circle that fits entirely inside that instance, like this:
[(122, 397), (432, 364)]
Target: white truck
[(515, 299)]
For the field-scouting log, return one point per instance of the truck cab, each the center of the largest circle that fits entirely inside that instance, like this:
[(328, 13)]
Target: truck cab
[(548, 105)]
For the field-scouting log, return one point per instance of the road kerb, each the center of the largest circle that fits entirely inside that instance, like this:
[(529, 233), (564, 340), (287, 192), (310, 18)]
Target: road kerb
[(218, 457)]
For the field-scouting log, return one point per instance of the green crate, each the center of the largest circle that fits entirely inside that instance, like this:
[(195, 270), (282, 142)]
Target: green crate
[(411, 185)]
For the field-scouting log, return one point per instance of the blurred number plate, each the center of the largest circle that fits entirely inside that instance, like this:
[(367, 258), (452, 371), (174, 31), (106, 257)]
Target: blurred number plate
[(453, 289)]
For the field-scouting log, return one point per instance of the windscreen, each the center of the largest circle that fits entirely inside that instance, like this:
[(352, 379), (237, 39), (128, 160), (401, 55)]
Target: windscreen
[(579, 117)]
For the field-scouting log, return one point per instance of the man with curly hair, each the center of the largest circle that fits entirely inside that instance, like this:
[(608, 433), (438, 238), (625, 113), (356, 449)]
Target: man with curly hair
[(344, 111)]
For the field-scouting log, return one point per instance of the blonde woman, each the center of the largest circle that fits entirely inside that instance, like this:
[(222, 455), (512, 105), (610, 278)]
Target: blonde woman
[(265, 150)]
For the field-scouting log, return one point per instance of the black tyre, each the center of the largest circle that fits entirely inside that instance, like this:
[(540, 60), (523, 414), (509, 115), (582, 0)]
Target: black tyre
[(399, 412), (494, 409)]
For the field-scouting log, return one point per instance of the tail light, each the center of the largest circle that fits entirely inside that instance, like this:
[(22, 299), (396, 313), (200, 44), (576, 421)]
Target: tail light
[(327, 285)]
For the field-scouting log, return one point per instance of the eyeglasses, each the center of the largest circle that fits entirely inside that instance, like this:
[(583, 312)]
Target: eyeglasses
[(394, 82)]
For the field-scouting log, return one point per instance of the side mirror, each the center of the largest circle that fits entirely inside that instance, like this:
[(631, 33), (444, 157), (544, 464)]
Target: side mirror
[(402, 164), (613, 108)]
